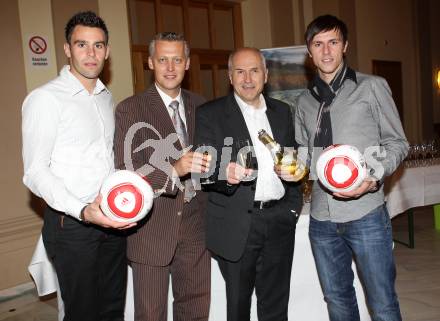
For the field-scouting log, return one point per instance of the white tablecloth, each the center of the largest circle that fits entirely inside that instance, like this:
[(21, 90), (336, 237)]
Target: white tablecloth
[(306, 298), (412, 187)]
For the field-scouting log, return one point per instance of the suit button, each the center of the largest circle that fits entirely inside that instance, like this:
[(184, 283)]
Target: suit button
[(249, 211), (179, 213)]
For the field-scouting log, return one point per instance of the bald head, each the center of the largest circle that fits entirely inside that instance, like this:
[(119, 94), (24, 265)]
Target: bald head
[(245, 50), (248, 74)]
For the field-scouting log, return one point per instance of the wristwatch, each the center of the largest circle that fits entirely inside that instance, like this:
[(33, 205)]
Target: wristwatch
[(376, 187), (377, 181), (82, 217)]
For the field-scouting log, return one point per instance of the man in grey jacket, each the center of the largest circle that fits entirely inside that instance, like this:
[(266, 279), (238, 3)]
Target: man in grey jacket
[(346, 107)]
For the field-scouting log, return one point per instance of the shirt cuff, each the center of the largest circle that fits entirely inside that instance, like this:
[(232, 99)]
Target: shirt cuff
[(174, 178), (74, 207)]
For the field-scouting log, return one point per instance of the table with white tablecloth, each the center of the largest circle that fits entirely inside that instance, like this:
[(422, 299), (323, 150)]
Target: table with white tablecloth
[(306, 298), (411, 187)]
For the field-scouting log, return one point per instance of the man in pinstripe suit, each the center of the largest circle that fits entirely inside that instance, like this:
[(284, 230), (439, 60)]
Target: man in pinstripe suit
[(171, 241)]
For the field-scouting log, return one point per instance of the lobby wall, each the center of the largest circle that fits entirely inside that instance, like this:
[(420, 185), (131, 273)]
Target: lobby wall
[(379, 31)]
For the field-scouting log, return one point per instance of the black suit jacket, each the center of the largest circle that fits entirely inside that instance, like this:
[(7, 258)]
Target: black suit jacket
[(230, 208)]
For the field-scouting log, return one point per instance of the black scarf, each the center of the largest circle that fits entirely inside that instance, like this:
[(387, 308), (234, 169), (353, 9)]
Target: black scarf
[(325, 94)]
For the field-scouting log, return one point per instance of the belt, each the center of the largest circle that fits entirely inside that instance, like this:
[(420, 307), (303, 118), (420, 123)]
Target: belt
[(265, 204)]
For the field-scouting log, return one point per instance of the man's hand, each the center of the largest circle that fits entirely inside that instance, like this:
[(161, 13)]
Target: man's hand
[(192, 162), (368, 185), (235, 173), (94, 215), (284, 173)]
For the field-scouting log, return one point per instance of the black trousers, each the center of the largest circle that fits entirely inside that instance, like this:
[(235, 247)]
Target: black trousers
[(91, 267), (265, 266)]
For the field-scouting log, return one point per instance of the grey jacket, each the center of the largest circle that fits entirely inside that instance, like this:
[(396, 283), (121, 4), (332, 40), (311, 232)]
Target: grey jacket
[(364, 115)]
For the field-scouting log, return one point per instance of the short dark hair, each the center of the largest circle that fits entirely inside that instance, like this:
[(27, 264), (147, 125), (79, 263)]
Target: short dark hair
[(325, 23), (168, 36), (87, 19)]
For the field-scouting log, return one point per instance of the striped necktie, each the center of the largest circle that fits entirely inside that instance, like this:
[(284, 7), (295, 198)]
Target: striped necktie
[(181, 132), (179, 125)]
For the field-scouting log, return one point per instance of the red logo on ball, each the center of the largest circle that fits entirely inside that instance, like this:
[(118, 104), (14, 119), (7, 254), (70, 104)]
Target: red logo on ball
[(345, 161), (125, 200)]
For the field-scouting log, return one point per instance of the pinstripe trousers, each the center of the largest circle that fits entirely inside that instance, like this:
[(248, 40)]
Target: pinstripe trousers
[(190, 271)]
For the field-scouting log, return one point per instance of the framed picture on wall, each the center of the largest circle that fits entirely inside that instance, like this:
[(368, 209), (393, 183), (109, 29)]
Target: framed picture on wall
[(290, 70)]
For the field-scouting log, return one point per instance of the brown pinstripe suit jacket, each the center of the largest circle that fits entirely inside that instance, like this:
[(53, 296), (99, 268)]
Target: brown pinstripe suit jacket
[(154, 240)]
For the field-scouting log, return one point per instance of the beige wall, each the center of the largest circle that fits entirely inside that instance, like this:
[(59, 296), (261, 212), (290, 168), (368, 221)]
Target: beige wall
[(347, 12), (19, 226), (321, 7), (257, 23), (30, 25), (388, 34), (119, 71), (62, 10), (283, 29)]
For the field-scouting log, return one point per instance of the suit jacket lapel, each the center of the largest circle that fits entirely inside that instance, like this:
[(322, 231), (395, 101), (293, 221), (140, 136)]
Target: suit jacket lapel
[(238, 126), (161, 112), (189, 110), (276, 124)]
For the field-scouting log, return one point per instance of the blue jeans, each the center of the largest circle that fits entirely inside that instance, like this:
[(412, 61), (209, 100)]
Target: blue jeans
[(369, 241)]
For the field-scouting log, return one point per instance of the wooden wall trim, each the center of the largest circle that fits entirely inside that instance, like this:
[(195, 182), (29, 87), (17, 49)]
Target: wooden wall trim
[(238, 26), (158, 14)]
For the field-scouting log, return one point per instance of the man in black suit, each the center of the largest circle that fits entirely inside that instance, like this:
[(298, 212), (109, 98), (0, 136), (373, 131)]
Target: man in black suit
[(250, 224)]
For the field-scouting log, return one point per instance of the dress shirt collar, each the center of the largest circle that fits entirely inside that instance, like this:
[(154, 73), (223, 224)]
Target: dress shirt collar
[(251, 110), (76, 86), (167, 99)]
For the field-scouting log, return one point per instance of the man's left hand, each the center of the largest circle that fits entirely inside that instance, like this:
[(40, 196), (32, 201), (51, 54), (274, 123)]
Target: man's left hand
[(284, 173), (368, 185)]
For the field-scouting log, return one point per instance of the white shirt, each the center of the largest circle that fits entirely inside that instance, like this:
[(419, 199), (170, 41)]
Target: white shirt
[(269, 185), (167, 100), (67, 142)]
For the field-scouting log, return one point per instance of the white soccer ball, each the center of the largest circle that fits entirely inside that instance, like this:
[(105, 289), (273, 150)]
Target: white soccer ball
[(341, 168), (126, 197)]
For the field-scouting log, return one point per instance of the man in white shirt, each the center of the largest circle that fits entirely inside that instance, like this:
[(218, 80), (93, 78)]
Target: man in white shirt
[(68, 127), (171, 241), (250, 223)]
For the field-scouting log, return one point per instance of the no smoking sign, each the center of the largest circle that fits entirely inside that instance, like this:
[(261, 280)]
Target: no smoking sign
[(38, 52), (37, 45)]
